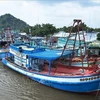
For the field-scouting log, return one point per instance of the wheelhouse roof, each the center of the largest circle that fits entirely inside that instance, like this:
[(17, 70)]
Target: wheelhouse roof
[(49, 54)]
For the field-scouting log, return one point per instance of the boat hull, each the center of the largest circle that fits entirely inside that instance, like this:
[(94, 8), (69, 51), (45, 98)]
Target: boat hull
[(81, 84)]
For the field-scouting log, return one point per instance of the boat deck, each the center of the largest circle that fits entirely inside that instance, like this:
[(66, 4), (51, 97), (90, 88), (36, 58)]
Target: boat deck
[(69, 71), (62, 70)]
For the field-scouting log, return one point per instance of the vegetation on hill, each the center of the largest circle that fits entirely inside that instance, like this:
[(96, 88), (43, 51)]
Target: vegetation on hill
[(12, 22)]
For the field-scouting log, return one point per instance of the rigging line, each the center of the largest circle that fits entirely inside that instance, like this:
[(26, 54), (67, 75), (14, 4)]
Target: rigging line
[(70, 25), (67, 39), (80, 45)]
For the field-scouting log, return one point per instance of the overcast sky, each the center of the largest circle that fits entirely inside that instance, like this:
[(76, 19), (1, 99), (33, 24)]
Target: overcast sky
[(57, 12)]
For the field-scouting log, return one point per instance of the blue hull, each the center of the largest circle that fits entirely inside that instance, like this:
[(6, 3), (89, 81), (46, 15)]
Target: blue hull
[(72, 87), (72, 84)]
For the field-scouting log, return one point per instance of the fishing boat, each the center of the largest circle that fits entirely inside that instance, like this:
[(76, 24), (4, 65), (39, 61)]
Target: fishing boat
[(61, 69), (5, 40)]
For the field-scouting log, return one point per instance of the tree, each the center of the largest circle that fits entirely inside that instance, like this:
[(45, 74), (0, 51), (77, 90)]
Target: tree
[(97, 29), (98, 36), (48, 29), (42, 30), (35, 30), (26, 30)]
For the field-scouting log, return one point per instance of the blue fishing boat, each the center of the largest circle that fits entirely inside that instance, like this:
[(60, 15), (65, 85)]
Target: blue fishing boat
[(5, 39), (60, 69)]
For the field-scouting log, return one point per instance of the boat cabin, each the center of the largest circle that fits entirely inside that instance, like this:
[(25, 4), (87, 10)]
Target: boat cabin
[(45, 59), (36, 59)]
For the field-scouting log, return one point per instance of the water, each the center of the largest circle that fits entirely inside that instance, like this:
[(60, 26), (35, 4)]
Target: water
[(14, 86)]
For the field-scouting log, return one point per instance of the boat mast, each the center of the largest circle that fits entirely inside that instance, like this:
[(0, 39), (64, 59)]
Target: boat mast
[(78, 26), (80, 45)]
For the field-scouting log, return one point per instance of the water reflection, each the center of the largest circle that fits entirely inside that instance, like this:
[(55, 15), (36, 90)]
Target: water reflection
[(14, 86)]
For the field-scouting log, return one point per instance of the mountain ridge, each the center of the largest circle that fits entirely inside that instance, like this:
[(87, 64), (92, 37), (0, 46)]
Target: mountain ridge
[(8, 20)]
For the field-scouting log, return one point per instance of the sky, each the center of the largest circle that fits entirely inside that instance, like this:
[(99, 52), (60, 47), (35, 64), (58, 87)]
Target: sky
[(57, 12)]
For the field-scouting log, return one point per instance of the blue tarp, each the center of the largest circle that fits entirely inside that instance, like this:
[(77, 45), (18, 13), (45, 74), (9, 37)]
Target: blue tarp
[(41, 53), (50, 54)]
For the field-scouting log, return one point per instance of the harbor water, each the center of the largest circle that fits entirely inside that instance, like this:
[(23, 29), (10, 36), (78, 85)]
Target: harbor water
[(14, 86)]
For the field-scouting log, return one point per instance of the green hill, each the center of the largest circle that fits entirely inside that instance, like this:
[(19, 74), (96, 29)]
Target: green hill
[(12, 22)]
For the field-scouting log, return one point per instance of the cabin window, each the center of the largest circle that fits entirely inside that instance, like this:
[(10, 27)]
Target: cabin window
[(35, 61), (37, 64), (11, 57)]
